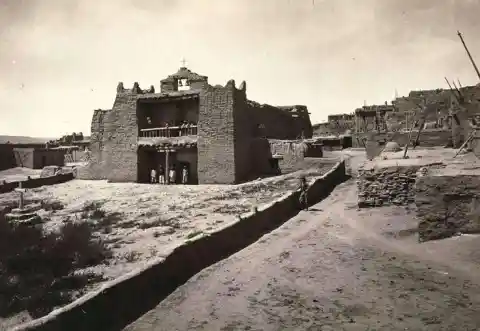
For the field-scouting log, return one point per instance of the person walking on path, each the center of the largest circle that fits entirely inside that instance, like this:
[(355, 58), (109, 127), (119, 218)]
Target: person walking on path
[(303, 193)]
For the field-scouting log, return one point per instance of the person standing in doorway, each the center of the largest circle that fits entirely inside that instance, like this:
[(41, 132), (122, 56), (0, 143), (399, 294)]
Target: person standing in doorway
[(153, 176), (184, 175), (172, 175), (161, 176)]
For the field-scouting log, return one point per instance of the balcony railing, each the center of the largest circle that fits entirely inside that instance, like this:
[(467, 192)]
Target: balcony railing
[(170, 131)]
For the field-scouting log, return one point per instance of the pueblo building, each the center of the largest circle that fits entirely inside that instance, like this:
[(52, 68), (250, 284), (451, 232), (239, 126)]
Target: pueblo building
[(215, 131)]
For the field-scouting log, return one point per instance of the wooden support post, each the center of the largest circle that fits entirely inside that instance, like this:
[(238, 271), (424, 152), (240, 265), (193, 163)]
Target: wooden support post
[(167, 168), (466, 142), (20, 190), (409, 139), (422, 124)]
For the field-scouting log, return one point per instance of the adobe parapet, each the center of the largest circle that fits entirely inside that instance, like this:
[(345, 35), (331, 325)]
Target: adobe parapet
[(134, 90)]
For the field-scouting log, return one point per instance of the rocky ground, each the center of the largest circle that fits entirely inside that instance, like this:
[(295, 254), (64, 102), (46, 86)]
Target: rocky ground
[(334, 267)]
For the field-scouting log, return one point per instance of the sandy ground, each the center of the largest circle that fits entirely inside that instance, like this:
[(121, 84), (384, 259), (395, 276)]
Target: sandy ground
[(16, 174), (154, 219), (334, 267)]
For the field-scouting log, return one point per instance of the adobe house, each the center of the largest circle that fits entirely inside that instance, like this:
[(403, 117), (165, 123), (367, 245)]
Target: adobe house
[(37, 158), (214, 131)]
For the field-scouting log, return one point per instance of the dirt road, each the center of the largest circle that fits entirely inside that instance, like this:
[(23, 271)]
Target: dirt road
[(333, 268)]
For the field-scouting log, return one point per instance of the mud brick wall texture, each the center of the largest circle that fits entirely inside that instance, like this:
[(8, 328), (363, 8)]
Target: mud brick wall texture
[(114, 142), (447, 205), (388, 186), (97, 168), (216, 136), (245, 144), (120, 139)]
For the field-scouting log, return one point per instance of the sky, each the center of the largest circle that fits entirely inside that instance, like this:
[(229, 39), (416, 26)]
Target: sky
[(61, 59)]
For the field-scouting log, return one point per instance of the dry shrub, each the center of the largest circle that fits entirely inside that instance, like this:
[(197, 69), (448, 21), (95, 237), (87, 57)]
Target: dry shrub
[(37, 268), (52, 205)]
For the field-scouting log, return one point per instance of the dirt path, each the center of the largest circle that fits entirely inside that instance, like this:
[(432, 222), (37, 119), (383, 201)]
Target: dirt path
[(332, 268)]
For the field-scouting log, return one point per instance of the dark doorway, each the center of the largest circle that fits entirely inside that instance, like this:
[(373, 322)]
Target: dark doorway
[(274, 165), (347, 142), (44, 161)]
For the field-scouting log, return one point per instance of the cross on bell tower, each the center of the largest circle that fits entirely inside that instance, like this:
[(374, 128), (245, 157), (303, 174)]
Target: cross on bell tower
[(183, 63)]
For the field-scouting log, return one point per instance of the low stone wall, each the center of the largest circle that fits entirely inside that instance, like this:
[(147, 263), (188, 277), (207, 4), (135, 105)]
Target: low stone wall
[(386, 186), (36, 182), (124, 300), (447, 204)]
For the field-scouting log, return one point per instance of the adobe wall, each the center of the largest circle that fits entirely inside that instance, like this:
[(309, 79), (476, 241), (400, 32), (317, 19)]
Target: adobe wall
[(36, 182), (7, 159), (440, 100), (249, 153), (259, 156), (120, 138), (216, 135), (124, 300), (278, 123), (448, 202), (24, 157), (113, 142), (322, 129), (428, 138), (337, 124), (55, 157), (292, 152), (96, 169)]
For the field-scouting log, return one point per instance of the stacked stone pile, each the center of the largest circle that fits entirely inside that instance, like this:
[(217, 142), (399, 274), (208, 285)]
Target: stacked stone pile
[(386, 186), (25, 216)]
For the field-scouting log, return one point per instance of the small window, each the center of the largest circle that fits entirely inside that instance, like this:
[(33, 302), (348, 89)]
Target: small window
[(183, 84)]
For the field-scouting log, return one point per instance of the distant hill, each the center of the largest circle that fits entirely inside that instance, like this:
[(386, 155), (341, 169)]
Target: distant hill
[(23, 140)]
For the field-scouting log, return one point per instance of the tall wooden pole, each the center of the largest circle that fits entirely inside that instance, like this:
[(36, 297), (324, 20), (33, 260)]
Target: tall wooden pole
[(469, 55)]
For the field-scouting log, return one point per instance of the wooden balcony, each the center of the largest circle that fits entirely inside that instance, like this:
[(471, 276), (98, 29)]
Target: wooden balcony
[(167, 132)]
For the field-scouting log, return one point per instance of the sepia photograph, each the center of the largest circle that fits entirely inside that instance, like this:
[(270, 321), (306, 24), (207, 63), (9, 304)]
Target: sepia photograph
[(260, 165)]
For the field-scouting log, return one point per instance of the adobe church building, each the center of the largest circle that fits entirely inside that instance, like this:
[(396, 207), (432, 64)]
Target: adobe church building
[(215, 131)]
